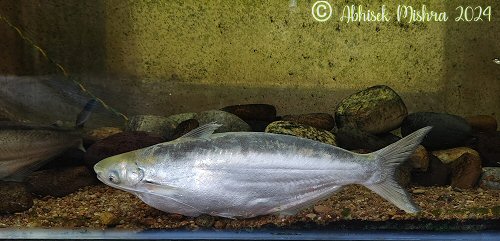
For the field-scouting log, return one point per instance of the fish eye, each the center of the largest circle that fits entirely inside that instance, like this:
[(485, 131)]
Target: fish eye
[(113, 177)]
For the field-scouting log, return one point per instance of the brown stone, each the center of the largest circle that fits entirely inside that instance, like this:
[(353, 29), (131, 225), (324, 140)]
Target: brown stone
[(319, 120), (98, 134), (420, 159), (60, 182), (450, 155), (322, 209), (488, 146), (436, 175), (14, 197), (482, 123), (262, 112), (465, 171)]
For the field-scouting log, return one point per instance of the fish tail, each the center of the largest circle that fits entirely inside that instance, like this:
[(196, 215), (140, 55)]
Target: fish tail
[(391, 157)]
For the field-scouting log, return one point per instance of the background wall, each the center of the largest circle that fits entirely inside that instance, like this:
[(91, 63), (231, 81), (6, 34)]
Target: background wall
[(166, 57)]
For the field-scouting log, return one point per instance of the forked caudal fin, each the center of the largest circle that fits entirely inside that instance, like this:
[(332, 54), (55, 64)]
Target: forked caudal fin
[(391, 157)]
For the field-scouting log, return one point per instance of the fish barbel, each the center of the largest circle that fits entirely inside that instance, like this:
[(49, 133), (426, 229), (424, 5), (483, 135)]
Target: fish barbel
[(246, 174)]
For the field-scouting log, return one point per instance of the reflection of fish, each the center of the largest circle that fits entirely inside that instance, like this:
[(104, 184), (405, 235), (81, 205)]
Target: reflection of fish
[(242, 174), (26, 147)]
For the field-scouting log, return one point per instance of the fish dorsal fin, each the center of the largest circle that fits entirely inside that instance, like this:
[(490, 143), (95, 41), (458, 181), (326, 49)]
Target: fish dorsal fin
[(203, 131)]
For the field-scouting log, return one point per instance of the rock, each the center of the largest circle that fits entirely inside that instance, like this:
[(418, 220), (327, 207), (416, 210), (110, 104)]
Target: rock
[(230, 122), (69, 158), (449, 155), (465, 171), (482, 123), (488, 146), (375, 110), (418, 191), (185, 127), (258, 126), (352, 139), (260, 112), (205, 221), (311, 215), (109, 219), (447, 130), (176, 119), (490, 178), (322, 209), (156, 125), (91, 136), (318, 120), (294, 129), (419, 159), (60, 182), (403, 174), (438, 174), (119, 143), (14, 197)]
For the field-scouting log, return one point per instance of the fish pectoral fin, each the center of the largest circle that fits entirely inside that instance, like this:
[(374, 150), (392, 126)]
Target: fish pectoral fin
[(202, 132), (157, 188)]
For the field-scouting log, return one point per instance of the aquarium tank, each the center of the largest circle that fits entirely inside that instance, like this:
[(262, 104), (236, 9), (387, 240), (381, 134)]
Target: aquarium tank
[(239, 119)]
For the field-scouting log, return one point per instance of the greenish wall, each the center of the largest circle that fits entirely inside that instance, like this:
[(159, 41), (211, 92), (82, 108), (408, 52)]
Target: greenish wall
[(165, 57)]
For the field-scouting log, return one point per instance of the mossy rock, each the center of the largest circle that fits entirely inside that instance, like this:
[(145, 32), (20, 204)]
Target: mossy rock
[(376, 110), (299, 130)]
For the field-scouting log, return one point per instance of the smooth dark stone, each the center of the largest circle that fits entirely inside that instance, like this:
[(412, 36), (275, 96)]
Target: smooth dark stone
[(323, 121), (14, 197), (70, 158), (60, 182), (261, 112), (448, 131), (375, 110), (352, 139), (438, 174), (119, 143), (488, 146), (258, 126), (184, 127)]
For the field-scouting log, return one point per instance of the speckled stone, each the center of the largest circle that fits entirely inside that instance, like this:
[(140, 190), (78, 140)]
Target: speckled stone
[(14, 197), (323, 121), (375, 110), (490, 178), (156, 125), (448, 130), (259, 112), (294, 129)]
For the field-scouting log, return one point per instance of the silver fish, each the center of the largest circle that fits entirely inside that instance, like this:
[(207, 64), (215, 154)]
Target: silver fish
[(26, 147), (246, 174)]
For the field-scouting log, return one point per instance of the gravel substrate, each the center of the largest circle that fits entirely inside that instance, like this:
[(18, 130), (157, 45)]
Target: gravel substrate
[(102, 207)]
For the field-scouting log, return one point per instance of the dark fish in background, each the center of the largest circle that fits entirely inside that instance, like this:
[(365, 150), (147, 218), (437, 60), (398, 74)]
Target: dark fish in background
[(84, 115), (26, 147)]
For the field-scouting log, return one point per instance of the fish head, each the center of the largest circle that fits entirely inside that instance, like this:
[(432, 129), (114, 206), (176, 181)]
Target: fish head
[(120, 171)]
